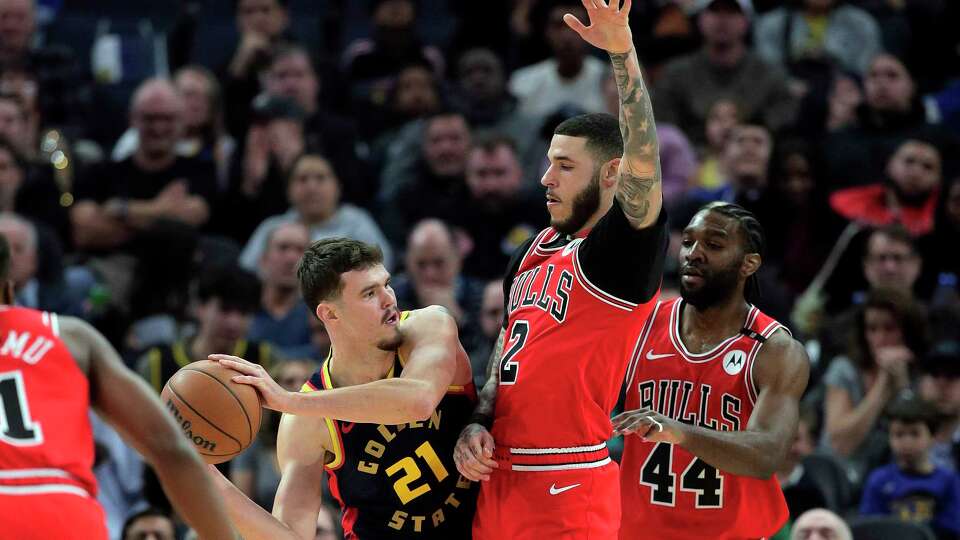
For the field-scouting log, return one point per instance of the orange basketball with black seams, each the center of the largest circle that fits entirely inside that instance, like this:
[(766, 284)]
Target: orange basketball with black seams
[(220, 417)]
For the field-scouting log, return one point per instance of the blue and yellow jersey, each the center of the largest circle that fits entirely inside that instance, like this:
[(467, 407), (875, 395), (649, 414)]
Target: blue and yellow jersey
[(400, 481)]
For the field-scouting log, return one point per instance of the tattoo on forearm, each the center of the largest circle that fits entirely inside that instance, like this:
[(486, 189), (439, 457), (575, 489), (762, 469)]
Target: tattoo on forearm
[(640, 166), (489, 393)]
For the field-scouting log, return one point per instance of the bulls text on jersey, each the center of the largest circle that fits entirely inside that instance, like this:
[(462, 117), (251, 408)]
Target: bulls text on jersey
[(552, 296), (675, 399)]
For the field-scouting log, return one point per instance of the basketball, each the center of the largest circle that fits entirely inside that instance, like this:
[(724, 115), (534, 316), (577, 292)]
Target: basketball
[(219, 416)]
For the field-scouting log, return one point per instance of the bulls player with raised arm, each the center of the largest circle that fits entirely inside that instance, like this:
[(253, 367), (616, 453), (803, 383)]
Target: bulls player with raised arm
[(52, 369), (714, 385), (577, 295)]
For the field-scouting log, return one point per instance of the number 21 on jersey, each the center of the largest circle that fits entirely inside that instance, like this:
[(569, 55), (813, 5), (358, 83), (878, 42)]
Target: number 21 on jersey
[(509, 365)]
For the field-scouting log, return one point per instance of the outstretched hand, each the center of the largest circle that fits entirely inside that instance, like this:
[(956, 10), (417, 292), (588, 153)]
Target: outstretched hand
[(608, 29), (271, 393)]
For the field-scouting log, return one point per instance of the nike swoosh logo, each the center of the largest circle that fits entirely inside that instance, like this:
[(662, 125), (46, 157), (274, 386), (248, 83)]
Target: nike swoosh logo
[(651, 356), (554, 490)]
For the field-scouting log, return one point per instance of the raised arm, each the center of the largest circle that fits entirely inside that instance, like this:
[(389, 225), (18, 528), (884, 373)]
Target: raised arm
[(433, 357), (639, 189), (128, 404), (781, 371), (301, 449)]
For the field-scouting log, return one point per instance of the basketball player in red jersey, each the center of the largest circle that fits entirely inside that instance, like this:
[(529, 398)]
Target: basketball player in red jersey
[(714, 385), (380, 418), (577, 295), (52, 369)]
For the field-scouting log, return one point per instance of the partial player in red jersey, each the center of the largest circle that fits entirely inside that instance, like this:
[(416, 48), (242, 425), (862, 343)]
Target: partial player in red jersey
[(714, 385), (52, 369), (576, 295)]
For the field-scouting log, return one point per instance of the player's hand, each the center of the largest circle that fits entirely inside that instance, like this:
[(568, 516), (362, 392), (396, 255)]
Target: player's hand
[(272, 394), (649, 425), (474, 453), (608, 28)]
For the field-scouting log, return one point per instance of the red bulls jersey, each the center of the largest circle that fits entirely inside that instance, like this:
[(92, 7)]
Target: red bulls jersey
[(667, 492), (565, 352), (46, 443)]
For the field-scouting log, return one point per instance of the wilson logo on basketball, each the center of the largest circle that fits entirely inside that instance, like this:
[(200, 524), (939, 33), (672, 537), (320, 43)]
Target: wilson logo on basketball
[(185, 425)]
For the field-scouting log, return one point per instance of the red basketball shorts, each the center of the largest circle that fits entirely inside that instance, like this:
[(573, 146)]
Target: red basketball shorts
[(54, 515)]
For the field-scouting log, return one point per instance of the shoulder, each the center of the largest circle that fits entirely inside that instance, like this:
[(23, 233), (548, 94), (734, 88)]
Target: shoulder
[(303, 440), (840, 371), (782, 358), (351, 213), (881, 475)]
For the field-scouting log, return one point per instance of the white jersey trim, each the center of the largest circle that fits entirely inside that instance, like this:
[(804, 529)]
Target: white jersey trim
[(595, 291), (712, 353), (750, 382), (564, 467), (568, 450), (43, 489), (10, 474), (637, 355)]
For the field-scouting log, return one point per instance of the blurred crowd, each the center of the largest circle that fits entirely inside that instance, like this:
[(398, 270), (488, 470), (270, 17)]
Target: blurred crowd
[(163, 164)]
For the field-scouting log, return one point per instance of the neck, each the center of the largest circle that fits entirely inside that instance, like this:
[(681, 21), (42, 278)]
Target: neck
[(315, 219), (354, 364), (606, 202), (922, 466), (278, 300), (712, 325), (152, 164), (726, 54)]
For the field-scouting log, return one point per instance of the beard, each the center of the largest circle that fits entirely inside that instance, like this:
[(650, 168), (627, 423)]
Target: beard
[(717, 287), (585, 204)]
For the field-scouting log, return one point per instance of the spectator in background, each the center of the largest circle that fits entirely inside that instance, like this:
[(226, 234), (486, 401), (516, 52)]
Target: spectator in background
[(256, 471), (940, 262), (46, 291), (61, 79), (491, 319), (724, 68), (414, 94), (820, 524), (678, 162), (283, 318), (908, 195), (148, 206), (824, 32), (258, 177), (434, 186), (262, 25), (912, 488), (204, 134), (291, 74), (371, 63), (888, 337), (313, 192), (149, 524), (939, 384), (891, 111), (746, 167), (499, 215), (722, 117), (569, 77), (14, 125), (433, 277), (489, 107), (800, 489), (225, 302), (34, 196)]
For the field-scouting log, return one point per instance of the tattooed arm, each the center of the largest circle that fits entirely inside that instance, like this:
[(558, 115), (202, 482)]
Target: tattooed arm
[(639, 190)]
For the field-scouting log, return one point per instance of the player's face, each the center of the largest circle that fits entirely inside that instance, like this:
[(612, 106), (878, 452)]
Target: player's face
[(368, 307), (909, 442), (711, 259), (573, 184)]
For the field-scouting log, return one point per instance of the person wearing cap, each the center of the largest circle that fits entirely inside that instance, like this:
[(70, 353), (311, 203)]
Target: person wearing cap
[(724, 68)]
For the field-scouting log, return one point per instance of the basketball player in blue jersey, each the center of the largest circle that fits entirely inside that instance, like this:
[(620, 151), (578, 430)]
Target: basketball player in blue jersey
[(381, 417)]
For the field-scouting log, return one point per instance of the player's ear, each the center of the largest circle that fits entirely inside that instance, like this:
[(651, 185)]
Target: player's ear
[(326, 312), (751, 263), (610, 172)]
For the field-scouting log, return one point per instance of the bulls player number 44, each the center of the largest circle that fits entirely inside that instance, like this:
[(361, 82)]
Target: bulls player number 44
[(509, 366), (699, 477), (16, 426)]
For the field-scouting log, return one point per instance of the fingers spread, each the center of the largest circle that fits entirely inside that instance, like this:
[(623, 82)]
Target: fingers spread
[(574, 23)]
